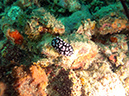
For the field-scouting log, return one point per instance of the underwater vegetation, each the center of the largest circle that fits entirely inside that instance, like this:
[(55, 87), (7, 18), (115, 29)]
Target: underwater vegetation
[(64, 48)]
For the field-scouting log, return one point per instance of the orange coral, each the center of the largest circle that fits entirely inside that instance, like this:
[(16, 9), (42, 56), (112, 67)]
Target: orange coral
[(120, 24), (82, 61), (112, 25), (84, 54), (30, 82), (15, 36)]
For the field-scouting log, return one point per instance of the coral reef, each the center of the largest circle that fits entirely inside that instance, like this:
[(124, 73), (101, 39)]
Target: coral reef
[(77, 84), (87, 28), (30, 83), (71, 5), (60, 84), (43, 22), (99, 83), (127, 84), (84, 53), (15, 37), (107, 10), (15, 16), (112, 25), (63, 47), (116, 49), (74, 20)]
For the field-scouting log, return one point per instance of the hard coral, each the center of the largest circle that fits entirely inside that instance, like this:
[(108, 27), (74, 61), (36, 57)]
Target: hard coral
[(77, 84), (84, 54), (112, 25), (100, 81), (15, 37), (33, 29), (43, 22), (116, 48), (45, 18), (14, 12), (119, 24), (87, 28), (30, 82)]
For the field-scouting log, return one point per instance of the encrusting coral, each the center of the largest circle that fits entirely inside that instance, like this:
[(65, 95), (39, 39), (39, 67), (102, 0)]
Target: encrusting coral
[(84, 53), (29, 82), (43, 22), (87, 28), (99, 81), (112, 25)]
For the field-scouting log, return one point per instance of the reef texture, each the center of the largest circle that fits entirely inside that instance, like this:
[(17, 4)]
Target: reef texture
[(63, 48), (83, 55), (42, 22), (71, 5), (30, 82), (112, 25), (99, 83), (87, 28)]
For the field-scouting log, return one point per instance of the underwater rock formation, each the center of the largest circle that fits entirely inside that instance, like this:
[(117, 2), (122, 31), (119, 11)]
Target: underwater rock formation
[(112, 25), (71, 5), (100, 81), (64, 48), (87, 28), (29, 82), (83, 55), (43, 22), (74, 20)]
